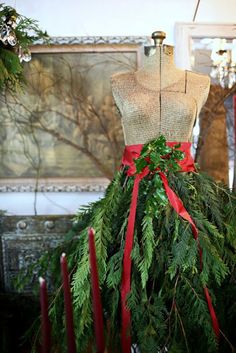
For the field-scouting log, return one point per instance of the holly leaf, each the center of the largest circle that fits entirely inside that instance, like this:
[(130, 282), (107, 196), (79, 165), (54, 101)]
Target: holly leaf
[(157, 154)]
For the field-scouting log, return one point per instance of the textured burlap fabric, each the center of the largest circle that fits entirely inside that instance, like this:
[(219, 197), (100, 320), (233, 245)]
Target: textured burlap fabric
[(159, 99)]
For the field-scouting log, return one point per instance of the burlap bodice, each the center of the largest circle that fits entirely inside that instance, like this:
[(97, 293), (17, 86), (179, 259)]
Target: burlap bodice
[(147, 114)]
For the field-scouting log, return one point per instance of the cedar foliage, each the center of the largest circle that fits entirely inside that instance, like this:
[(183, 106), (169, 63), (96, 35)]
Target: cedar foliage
[(167, 302), (27, 32)]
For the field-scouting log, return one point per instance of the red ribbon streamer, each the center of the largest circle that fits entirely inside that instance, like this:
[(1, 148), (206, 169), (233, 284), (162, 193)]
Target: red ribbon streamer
[(187, 165), (126, 275)]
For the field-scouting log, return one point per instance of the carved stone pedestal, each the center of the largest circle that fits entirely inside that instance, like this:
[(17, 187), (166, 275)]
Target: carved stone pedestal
[(23, 240)]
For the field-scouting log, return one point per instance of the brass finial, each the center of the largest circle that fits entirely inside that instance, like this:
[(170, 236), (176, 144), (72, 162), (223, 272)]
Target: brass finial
[(158, 37)]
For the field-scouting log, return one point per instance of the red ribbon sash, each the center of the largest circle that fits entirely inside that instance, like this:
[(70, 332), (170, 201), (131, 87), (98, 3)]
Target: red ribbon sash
[(187, 165)]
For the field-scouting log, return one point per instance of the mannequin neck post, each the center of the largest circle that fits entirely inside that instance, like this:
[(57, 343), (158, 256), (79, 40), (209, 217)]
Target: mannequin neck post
[(157, 57)]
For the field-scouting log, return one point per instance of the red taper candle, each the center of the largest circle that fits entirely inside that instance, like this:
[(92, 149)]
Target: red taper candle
[(45, 323), (96, 297), (71, 346), (234, 106)]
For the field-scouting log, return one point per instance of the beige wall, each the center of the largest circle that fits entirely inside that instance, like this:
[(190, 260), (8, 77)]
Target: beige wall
[(101, 18), (121, 17)]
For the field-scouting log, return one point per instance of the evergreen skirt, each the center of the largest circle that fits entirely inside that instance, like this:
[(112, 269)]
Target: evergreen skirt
[(169, 311)]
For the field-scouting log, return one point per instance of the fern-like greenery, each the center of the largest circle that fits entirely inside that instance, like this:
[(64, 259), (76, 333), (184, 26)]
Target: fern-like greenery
[(167, 302), (27, 32)]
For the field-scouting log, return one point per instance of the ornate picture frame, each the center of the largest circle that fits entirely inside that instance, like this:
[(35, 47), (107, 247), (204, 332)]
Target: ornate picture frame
[(69, 80)]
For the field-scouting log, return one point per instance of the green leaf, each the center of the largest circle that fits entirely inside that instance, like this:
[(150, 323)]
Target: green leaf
[(157, 154), (26, 32)]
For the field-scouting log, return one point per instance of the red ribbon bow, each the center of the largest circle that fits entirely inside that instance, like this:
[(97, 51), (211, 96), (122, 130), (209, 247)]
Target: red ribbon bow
[(187, 165)]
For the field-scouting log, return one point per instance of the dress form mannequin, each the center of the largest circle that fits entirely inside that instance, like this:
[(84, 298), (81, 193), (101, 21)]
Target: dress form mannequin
[(159, 98), (150, 240)]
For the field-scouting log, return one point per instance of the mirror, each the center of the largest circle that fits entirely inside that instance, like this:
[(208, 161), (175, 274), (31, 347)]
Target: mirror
[(198, 47)]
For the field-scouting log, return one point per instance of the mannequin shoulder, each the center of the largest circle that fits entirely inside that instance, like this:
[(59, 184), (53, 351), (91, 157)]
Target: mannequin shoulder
[(121, 80), (196, 79), (198, 86)]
